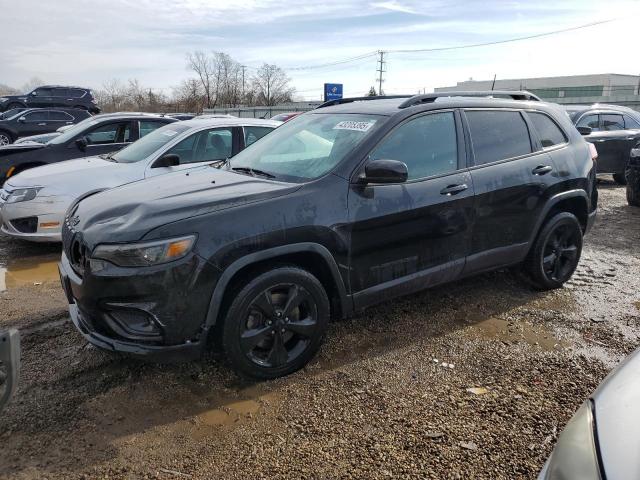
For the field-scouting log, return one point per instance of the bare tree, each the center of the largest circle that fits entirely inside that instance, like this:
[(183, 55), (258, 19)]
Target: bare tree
[(188, 96), (203, 66), (271, 85), (32, 83), (7, 90)]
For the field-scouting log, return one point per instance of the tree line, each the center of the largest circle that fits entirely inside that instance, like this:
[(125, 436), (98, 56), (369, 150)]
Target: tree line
[(217, 80)]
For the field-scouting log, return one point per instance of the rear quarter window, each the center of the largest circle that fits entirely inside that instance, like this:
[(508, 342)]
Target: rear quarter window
[(498, 135)]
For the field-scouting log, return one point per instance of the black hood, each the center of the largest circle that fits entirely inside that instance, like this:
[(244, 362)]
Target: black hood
[(129, 212)]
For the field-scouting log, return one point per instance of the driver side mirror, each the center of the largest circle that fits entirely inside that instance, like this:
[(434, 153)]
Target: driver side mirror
[(584, 130), (34, 93), (22, 119), (385, 171), (82, 143), (168, 160)]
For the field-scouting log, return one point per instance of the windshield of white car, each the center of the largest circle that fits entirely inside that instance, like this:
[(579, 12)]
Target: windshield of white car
[(150, 143), (306, 147)]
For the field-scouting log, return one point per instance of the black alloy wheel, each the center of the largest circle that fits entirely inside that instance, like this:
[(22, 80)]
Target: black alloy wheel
[(276, 324), (560, 253), (5, 138), (556, 252)]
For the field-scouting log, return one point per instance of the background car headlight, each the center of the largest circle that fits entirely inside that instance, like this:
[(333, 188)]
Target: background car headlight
[(575, 454), (145, 254), (23, 194)]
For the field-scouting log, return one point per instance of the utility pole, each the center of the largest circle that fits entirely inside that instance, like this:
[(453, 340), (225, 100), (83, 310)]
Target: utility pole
[(380, 70), (243, 67)]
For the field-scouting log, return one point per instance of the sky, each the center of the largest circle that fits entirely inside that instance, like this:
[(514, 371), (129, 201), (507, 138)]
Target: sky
[(89, 42)]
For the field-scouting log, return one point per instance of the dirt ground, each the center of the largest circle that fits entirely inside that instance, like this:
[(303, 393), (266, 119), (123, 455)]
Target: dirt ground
[(387, 397)]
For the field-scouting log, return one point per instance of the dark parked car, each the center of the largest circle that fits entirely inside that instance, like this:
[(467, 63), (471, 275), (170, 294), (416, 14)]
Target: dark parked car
[(601, 440), (613, 129), (36, 121), (632, 176), (354, 203), (52, 96), (11, 113), (93, 136)]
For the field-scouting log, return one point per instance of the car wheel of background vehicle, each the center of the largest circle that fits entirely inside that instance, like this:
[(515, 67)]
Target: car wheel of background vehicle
[(276, 324), (5, 138), (619, 178), (556, 252), (633, 187)]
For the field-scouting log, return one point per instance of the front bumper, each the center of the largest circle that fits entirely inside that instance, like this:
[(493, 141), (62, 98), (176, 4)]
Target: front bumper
[(49, 213), (158, 313), (591, 219)]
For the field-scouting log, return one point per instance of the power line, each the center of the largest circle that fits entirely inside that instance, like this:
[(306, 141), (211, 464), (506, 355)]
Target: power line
[(498, 42)]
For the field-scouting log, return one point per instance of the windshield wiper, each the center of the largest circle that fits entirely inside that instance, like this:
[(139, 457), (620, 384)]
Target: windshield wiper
[(253, 171)]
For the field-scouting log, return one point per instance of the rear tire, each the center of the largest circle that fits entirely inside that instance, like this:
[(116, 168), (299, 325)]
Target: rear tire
[(619, 178), (276, 324), (5, 138), (633, 186), (555, 253)]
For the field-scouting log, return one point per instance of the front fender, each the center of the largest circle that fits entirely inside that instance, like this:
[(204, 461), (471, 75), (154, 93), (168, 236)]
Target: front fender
[(10, 363), (274, 253)]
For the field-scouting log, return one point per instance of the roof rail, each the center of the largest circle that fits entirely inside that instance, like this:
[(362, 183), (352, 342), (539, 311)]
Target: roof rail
[(340, 101), (432, 97)]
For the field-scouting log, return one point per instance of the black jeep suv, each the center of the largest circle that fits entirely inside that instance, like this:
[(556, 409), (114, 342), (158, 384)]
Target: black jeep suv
[(36, 121), (52, 96), (348, 205)]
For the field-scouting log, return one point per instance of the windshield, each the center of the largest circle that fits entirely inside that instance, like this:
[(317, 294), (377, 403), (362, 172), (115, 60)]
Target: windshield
[(9, 114), (306, 147), (149, 144)]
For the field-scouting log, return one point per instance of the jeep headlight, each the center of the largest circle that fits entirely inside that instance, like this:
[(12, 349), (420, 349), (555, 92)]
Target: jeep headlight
[(575, 454), (22, 194), (145, 254)]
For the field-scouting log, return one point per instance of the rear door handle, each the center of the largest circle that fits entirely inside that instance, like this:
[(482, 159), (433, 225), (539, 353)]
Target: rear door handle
[(541, 170), (453, 189), (41, 124)]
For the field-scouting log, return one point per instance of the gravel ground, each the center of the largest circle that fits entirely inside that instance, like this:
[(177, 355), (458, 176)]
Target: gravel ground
[(470, 380)]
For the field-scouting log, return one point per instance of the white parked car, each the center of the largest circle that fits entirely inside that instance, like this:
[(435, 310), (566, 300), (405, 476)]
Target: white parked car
[(34, 202)]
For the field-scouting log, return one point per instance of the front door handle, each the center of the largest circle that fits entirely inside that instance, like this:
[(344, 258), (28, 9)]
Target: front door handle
[(453, 189), (541, 170), (41, 124)]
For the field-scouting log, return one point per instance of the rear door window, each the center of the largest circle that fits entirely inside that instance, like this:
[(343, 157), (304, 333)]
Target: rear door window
[(75, 93), (427, 144), (252, 134), (612, 122), (60, 92), (549, 133), (498, 135), (592, 121)]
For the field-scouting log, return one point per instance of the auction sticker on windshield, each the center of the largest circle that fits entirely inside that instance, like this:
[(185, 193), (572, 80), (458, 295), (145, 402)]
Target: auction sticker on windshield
[(352, 125)]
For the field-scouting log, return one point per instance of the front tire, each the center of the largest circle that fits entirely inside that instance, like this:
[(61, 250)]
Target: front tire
[(276, 324), (633, 187), (555, 253), (5, 138), (619, 178)]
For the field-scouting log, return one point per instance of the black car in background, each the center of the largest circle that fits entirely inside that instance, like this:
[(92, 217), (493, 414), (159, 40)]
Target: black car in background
[(354, 203), (613, 129), (11, 112), (94, 136), (52, 96), (35, 121)]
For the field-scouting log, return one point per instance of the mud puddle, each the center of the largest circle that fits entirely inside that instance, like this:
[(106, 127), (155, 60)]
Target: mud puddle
[(518, 332), (229, 412), (29, 271)]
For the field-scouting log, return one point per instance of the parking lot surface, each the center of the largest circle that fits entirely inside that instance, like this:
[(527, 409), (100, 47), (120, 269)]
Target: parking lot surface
[(470, 380)]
